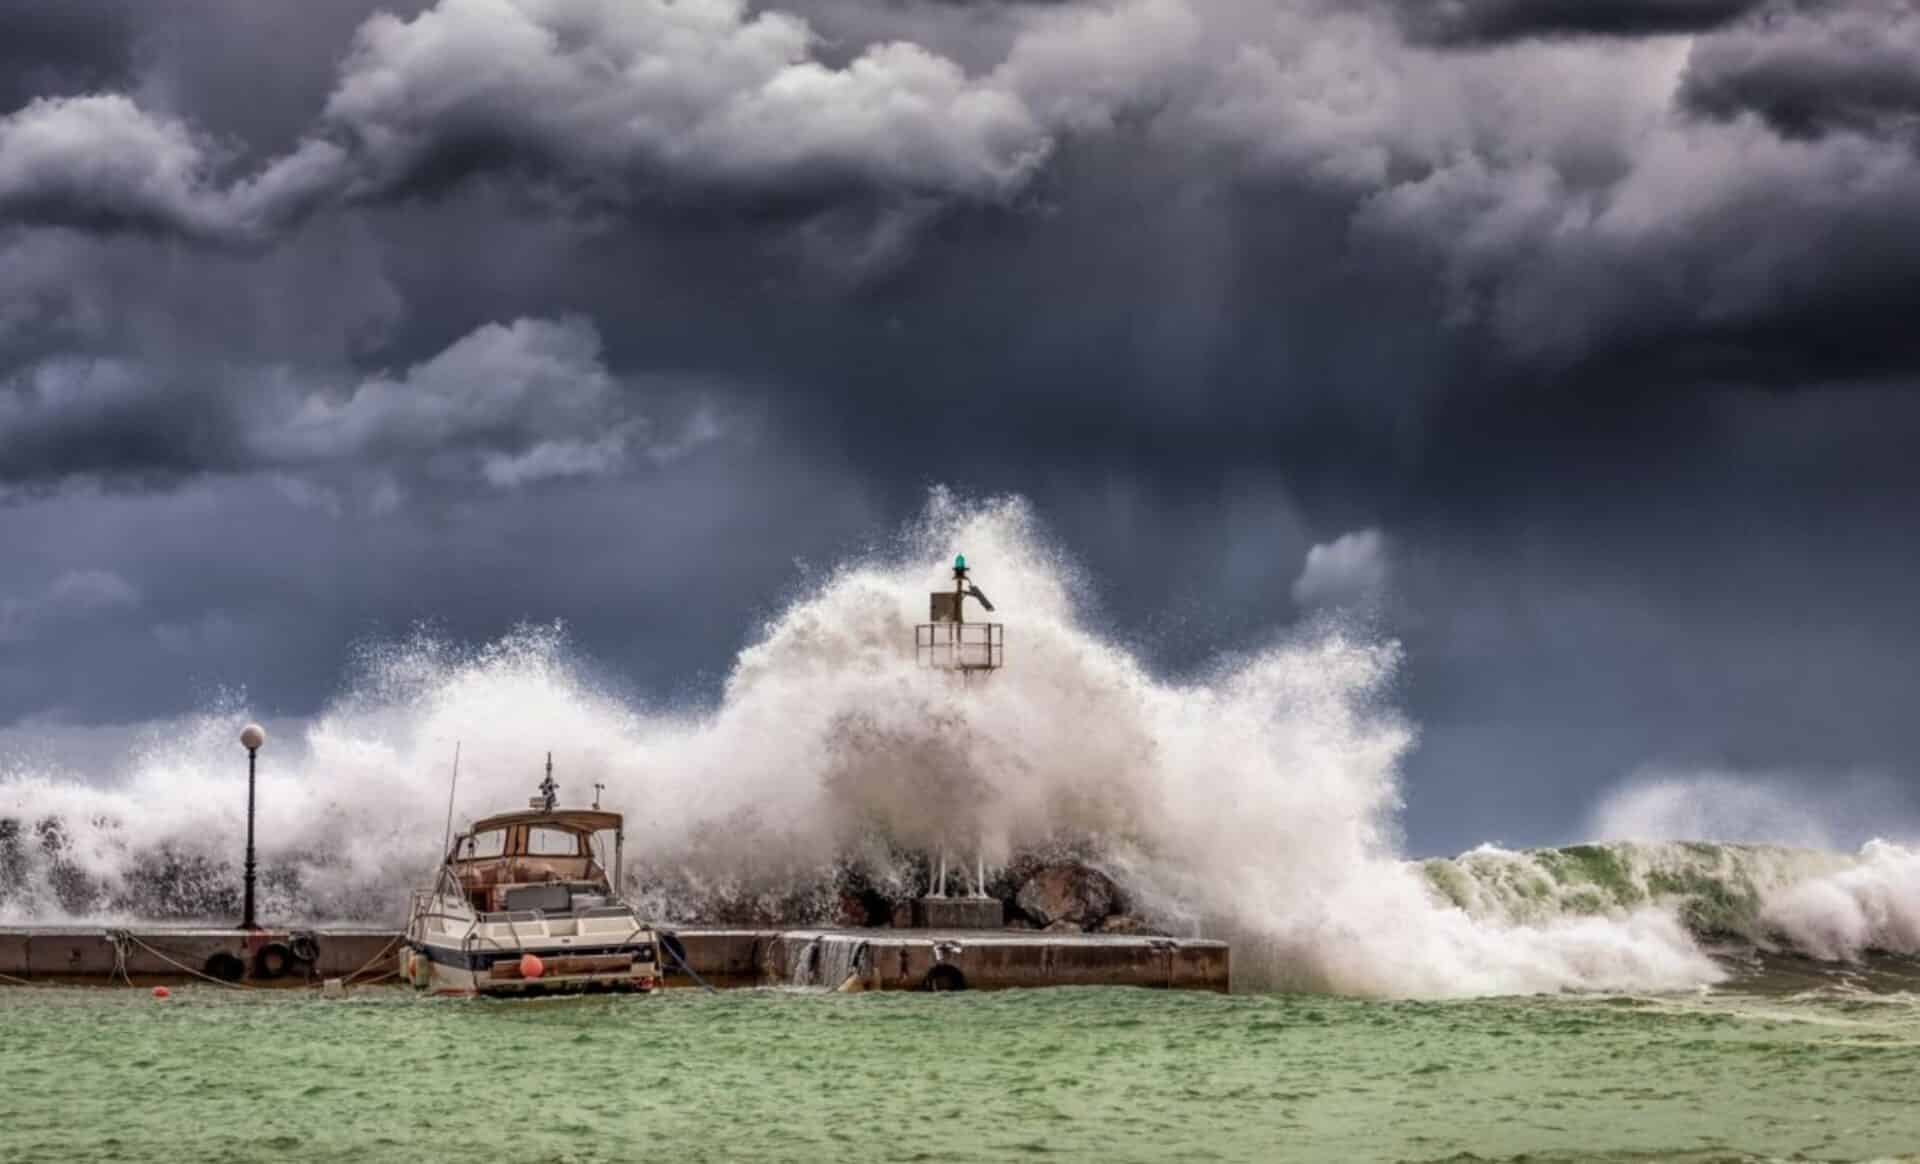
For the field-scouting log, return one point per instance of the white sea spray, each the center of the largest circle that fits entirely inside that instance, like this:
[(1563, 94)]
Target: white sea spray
[(1258, 803)]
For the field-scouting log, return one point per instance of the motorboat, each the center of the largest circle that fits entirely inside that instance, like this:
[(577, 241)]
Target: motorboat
[(523, 905)]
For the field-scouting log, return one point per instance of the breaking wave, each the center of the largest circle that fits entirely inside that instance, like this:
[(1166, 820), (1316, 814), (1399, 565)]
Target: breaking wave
[(1752, 894), (1258, 803)]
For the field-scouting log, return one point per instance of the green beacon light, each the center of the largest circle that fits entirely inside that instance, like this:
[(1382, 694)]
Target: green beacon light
[(959, 561)]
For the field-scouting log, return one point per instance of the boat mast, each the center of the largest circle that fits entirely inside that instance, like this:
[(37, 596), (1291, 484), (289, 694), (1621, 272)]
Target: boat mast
[(549, 791)]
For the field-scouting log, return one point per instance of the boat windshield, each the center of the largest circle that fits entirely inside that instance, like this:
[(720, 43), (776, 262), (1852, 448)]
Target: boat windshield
[(524, 841), (545, 842)]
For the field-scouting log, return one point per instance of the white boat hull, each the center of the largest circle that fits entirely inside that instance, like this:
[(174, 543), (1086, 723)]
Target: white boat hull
[(450, 950)]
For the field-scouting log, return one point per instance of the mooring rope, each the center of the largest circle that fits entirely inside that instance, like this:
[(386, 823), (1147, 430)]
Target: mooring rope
[(176, 964), (691, 972), (369, 964), (119, 940), (21, 981)]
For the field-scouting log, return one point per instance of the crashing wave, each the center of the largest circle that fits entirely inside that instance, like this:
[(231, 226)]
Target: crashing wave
[(1257, 803), (1717, 890), (1871, 905)]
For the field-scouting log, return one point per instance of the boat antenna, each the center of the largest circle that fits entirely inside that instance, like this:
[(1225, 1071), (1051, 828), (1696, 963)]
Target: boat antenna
[(446, 841), (549, 791), (598, 788)]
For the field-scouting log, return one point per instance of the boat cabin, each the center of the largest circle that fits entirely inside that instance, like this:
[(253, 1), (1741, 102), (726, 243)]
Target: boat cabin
[(542, 860)]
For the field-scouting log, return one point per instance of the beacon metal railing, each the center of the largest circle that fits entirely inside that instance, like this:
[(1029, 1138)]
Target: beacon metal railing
[(960, 646)]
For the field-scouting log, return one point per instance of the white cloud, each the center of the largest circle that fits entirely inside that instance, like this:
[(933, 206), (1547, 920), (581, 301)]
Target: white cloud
[(623, 100), (102, 162), (1562, 195), (551, 459), (1350, 570), (510, 404), (500, 385), (693, 91), (517, 403), (1076, 67)]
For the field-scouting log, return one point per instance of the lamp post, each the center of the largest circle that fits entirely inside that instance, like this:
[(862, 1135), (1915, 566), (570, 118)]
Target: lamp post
[(251, 737)]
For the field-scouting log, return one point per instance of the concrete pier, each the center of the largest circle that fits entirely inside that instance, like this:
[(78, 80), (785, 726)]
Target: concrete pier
[(989, 960), (157, 954), (876, 959)]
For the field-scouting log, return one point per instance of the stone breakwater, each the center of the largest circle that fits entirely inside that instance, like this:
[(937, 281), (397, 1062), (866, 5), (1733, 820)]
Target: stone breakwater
[(1069, 896)]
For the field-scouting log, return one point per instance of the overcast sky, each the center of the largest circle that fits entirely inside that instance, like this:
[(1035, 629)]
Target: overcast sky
[(1574, 340)]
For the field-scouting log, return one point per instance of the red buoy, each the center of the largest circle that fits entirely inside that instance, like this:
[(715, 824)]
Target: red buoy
[(531, 966), (162, 992)]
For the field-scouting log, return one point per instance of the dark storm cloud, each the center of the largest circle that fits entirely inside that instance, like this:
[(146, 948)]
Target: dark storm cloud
[(508, 404), (701, 94), (1685, 252), (81, 415), (1288, 156), (250, 73), (64, 46), (1576, 360), (99, 162), (511, 404), (242, 582), (599, 102), (77, 594), (1831, 67), (1480, 22), (1689, 582)]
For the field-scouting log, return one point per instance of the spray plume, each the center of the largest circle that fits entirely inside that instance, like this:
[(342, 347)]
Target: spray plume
[(1258, 804)]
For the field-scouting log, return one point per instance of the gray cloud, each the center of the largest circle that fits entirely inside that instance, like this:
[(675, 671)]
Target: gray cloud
[(529, 400), (1550, 197), (64, 46), (70, 415), (1479, 22), (1841, 66), (101, 162), (76, 594), (1630, 379), (1351, 570), (1579, 187), (699, 94), (651, 102), (508, 404), (1688, 247)]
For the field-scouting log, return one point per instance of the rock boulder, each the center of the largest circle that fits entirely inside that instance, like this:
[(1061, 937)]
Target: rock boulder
[(1076, 893)]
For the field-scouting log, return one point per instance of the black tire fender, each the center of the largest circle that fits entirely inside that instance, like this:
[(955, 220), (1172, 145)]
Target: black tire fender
[(272, 960)]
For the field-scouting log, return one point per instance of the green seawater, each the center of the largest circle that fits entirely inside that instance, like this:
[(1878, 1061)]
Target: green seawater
[(94, 1074)]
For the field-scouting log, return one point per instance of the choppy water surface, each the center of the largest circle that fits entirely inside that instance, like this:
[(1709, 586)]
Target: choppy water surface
[(97, 1075)]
